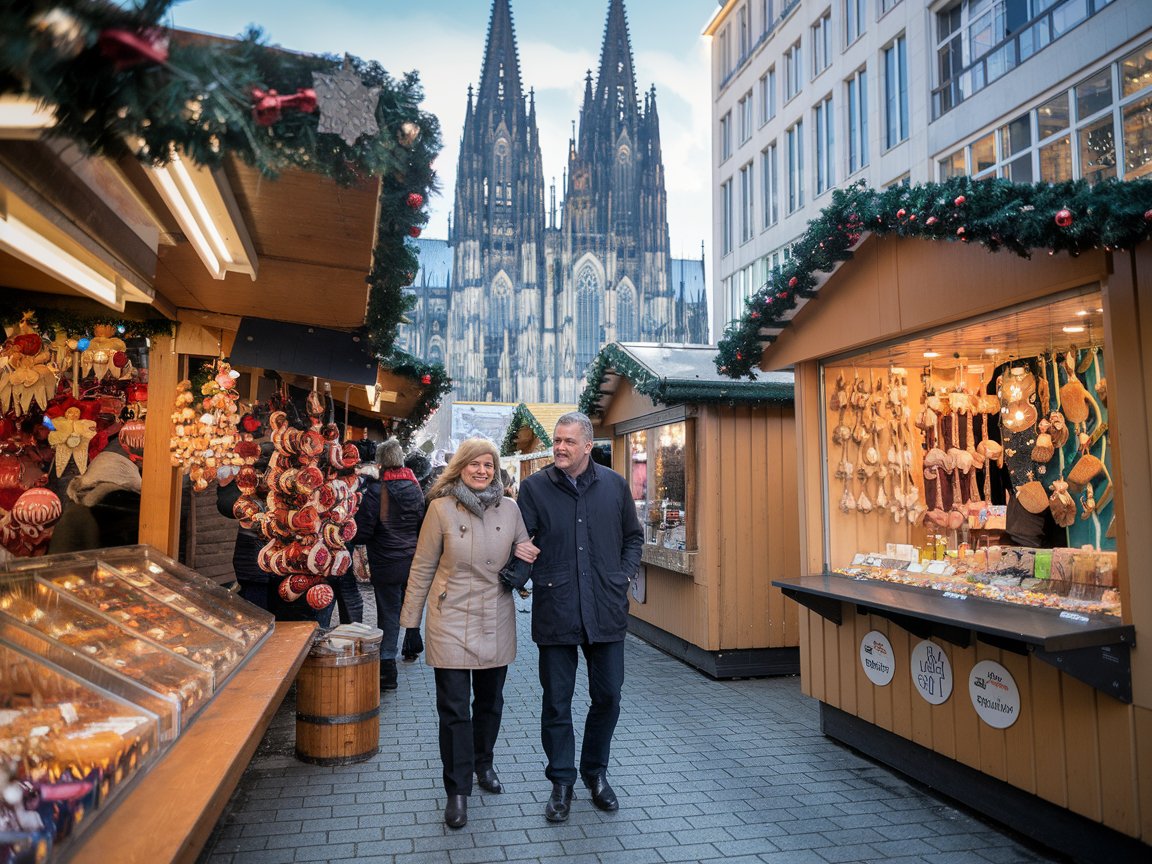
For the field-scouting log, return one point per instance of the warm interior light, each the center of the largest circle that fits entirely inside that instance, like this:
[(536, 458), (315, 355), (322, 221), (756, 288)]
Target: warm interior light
[(929, 355), (207, 214), (24, 117), (1073, 328), (991, 351), (31, 247), (1080, 313)]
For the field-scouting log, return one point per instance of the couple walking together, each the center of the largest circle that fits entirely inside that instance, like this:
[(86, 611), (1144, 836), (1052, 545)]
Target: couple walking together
[(576, 524)]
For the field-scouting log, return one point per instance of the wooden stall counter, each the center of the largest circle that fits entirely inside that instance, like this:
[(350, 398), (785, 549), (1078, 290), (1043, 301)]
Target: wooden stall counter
[(169, 815)]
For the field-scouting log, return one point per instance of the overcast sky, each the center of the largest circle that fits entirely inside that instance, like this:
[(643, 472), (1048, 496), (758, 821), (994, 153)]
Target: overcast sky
[(444, 41)]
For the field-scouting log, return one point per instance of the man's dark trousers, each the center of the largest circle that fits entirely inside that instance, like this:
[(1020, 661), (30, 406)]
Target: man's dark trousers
[(605, 661)]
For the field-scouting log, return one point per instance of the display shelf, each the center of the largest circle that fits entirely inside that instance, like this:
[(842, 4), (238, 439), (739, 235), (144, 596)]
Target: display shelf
[(1095, 649), (677, 560), (169, 814)]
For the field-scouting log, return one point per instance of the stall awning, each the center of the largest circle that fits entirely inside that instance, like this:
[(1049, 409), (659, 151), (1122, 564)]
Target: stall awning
[(301, 349)]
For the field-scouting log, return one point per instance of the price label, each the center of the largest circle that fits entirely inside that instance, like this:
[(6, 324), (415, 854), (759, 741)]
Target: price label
[(1076, 617), (952, 595)]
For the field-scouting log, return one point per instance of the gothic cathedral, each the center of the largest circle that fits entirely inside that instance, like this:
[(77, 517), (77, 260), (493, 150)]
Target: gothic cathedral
[(530, 304)]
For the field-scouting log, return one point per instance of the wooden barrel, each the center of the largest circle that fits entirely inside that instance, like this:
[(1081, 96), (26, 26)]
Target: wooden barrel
[(338, 709)]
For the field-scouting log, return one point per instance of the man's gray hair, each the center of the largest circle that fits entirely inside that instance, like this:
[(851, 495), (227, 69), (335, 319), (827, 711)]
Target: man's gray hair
[(576, 418), (390, 454)]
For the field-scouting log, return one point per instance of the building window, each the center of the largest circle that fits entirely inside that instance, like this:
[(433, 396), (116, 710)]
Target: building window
[(725, 53), (745, 34), (726, 217), (978, 41), (887, 5), (625, 313), (953, 165), (857, 91), (769, 185), (896, 92), (825, 146), (795, 143), (855, 19), (767, 15), (768, 95), (662, 480), (822, 43), (793, 71), (745, 113), (725, 136), (587, 317), (747, 196)]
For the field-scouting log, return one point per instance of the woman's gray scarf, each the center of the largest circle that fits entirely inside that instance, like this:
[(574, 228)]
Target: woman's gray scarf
[(477, 503)]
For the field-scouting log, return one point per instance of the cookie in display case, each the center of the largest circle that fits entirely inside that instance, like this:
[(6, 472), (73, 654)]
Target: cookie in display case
[(35, 617), (68, 747)]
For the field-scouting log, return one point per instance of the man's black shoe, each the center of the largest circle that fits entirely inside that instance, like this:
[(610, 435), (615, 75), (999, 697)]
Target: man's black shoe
[(489, 781), (559, 803), (388, 676), (602, 794), (456, 811)]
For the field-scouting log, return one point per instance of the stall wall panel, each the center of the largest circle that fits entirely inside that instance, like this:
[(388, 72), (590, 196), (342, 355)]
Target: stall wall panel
[(160, 489), (1128, 350), (1078, 749)]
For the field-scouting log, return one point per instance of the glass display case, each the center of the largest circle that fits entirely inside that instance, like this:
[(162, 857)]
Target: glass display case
[(658, 477), (68, 748)]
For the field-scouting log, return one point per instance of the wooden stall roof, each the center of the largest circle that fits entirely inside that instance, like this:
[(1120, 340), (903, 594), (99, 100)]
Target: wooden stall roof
[(675, 374)]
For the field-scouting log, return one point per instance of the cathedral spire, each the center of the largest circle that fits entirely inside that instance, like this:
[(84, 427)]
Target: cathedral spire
[(500, 77), (616, 82)]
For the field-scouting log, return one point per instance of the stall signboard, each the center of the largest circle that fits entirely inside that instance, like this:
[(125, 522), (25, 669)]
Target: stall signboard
[(994, 694), (877, 658), (931, 672)]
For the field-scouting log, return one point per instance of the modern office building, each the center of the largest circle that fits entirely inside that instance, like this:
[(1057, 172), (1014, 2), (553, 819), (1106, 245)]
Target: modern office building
[(811, 95)]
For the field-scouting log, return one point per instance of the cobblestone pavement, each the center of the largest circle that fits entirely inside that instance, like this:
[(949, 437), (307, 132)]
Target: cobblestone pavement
[(733, 771)]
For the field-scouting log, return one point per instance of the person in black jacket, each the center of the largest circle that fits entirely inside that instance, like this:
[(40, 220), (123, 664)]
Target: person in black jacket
[(583, 519), (387, 525)]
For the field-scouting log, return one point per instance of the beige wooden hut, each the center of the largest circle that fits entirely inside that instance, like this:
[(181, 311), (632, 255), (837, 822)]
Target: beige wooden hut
[(695, 448)]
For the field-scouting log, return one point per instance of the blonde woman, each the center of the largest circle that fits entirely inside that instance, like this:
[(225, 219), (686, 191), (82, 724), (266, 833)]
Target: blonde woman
[(469, 533)]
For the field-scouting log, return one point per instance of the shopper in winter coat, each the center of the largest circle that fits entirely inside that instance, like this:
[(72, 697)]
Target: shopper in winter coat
[(103, 506), (469, 533), (413, 644), (583, 519), (387, 524)]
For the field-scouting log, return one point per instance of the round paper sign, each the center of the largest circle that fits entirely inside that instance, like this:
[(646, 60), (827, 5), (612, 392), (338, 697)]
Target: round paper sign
[(877, 658), (931, 672), (994, 694)]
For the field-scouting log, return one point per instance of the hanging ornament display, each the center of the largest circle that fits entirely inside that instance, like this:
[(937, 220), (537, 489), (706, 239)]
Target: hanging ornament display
[(26, 529), (205, 434), (104, 355), (308, 516), (70, 436), (28, 375), (347, 106), (268, 106)]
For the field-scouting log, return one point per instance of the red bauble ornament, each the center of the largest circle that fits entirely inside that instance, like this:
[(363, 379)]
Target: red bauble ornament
[(932, 220), (792, 282), (901, 213), (960, 231), (414, 200), (1063, 217), (425, 379), (320, 596), (414, 231), (960, 199), (1148, 215), (119, 359), (739, 355), (755, 316)]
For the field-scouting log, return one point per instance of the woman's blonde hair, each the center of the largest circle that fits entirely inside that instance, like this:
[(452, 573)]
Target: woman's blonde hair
[(469, 449)]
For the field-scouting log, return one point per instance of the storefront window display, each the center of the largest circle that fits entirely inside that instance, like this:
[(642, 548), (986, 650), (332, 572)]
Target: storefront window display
[(658, 475), (976, 461)]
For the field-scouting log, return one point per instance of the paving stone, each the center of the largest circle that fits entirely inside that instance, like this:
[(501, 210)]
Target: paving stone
[(707, 771)]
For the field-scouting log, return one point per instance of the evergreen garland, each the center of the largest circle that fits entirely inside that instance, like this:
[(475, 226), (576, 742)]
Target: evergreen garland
[(1067, 217), (51, 319), (434, 383), (614, 359), (522, 417), (200, 100)]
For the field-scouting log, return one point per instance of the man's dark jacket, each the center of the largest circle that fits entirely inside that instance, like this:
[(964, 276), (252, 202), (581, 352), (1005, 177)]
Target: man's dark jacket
[(590, 542), (390, 544)]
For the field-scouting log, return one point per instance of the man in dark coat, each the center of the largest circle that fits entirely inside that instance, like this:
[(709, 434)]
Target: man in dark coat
[(584, 523)]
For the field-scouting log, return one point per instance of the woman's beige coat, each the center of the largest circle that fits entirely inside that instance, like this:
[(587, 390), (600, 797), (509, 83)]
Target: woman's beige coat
[(471, 621)]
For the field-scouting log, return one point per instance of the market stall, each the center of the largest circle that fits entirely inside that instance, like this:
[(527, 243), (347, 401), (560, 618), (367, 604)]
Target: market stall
[(692, 444), (527, 444), (974, 497), (157, 189)]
